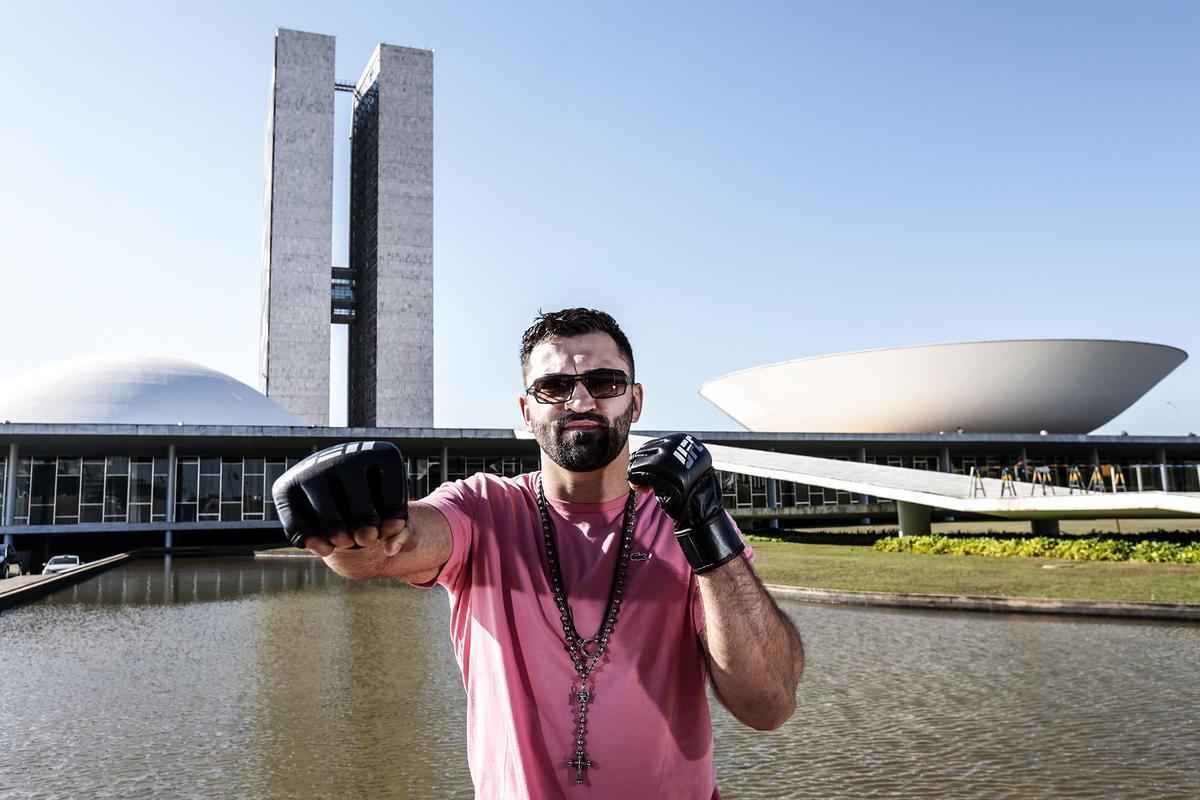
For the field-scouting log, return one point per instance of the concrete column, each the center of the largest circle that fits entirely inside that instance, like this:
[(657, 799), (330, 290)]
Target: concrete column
[(1163, 472), (773, 500), (914, 518), (445, 464), (10, 490), (862, 459), (1044, 527), (947, 465), (1095, 456), (171, 470)]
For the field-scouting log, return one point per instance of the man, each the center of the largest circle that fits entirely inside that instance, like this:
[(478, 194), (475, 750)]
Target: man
[(586, 618)]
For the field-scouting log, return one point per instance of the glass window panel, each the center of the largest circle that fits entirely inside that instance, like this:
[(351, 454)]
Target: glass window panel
[(254, 466), (161, 466), (116, 495), (41, 515), (185, 489), (42, 487), (743, 491), (21, 507), (67, 500), (24, 466), (117, 465), (139, 512), (231, 512), (231, 482), (90, 513), (185, 512), (210, 494), (69, 466), (160, 495), (93, 482), (139, 488), (252, 500), (291, 462), (210, 466), (274, 470)]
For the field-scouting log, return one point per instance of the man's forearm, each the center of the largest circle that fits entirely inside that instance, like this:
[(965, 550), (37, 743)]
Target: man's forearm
[(755, 654)]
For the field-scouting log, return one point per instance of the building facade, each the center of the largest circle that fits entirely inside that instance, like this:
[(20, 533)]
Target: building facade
[(201, 481)]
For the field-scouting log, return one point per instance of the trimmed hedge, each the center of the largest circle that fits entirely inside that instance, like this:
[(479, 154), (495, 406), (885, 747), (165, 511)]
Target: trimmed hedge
[(1082, 549)]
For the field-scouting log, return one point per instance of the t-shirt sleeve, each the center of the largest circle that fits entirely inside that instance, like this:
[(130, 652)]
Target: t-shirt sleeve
[(457, 501), (694, 590)]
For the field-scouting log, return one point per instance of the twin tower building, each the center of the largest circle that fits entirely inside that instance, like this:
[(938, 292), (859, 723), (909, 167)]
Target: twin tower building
[(385, 293)]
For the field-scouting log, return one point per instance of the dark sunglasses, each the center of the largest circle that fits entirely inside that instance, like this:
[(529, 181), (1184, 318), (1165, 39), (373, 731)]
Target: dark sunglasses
[(601, 384)]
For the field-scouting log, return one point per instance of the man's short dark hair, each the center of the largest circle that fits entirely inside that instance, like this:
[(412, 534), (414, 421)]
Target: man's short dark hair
[(573, 322)]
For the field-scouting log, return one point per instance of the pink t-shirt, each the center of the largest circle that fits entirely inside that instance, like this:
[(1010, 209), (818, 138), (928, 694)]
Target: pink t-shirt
[(649, 732)]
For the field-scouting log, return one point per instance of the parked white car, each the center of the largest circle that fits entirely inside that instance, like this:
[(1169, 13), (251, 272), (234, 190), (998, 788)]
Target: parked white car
[(58, 564)]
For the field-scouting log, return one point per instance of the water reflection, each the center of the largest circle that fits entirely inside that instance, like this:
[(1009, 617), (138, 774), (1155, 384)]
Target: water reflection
[(173, 580), (276, 678)]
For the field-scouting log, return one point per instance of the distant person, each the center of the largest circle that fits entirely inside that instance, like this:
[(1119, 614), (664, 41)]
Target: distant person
[(586, 619)]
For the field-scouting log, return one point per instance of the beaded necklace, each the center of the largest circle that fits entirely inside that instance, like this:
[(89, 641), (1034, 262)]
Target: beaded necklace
[(585, 653)]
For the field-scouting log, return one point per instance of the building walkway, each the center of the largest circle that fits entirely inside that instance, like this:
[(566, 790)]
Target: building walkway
[(917, 491)]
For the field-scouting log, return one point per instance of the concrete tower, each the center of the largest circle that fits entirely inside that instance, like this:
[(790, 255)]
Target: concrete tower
[(298, 240), (391, 240), (386, 294)]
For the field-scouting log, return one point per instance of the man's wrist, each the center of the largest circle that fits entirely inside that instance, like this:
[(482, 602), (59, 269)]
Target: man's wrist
[(711, 544)]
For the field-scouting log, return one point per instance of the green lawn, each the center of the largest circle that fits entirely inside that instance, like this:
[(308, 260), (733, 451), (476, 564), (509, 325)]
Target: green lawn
[(862, 569)]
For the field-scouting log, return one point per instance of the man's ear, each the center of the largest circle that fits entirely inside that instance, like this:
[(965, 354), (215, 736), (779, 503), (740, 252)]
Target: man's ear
[(523, 404), (637, 403)]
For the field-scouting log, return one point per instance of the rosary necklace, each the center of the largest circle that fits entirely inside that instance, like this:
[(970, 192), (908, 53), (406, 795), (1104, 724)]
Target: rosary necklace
[(585, 653)]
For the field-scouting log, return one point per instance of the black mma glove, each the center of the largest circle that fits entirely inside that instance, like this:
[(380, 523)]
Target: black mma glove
[(679, 470), (342, 488)]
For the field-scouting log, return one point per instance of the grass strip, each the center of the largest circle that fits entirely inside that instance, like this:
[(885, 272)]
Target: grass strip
[(863, 569)]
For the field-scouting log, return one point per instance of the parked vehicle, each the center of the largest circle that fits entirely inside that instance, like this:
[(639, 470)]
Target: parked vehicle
[(10, 565), (58, 564)]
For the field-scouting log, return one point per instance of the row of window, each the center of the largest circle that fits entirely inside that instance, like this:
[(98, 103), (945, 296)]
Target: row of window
[(70, 490)]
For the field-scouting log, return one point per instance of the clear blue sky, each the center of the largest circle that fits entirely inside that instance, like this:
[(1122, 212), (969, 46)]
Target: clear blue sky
[(738, 184)]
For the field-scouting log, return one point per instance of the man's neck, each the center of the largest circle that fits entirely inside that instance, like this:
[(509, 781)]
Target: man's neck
[(598, 486)]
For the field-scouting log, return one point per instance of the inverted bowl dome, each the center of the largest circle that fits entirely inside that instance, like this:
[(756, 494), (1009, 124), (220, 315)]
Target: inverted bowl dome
[(136, 391), (1056, 385)]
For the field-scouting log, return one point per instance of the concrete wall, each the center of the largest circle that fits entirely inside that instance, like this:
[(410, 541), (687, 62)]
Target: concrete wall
[(294, 347), (402, 295)]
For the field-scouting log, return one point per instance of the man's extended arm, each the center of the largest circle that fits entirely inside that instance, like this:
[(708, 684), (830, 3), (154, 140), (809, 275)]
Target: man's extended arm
[(349, 504), (755, 655)]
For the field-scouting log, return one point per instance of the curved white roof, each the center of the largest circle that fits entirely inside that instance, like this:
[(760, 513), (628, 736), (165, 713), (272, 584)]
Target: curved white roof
[(1056, 385), (136, 390)]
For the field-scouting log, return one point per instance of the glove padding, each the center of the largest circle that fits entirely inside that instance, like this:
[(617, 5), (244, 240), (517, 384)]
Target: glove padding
[(679, 470), (342, 488)]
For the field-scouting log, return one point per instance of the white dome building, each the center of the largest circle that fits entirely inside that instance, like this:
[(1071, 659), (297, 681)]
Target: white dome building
[(136, 390), (1063, 386)]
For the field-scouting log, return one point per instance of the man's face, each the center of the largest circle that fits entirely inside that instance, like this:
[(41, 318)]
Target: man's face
[(582, 434)]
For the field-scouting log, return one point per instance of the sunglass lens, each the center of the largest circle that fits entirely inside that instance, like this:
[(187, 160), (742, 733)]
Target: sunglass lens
[(554, 388), (603, 385)]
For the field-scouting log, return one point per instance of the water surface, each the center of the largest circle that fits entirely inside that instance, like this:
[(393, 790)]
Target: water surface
[(276, 678)]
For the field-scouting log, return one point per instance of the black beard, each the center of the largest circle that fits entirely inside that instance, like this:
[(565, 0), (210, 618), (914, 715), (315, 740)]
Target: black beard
[(583, 450)]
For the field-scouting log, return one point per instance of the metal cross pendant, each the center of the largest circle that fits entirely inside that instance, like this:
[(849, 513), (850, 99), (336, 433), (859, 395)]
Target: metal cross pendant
[(580, 764), (581, 696)]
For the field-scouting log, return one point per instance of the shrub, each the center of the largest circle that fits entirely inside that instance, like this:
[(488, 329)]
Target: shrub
[(1081, 549)]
